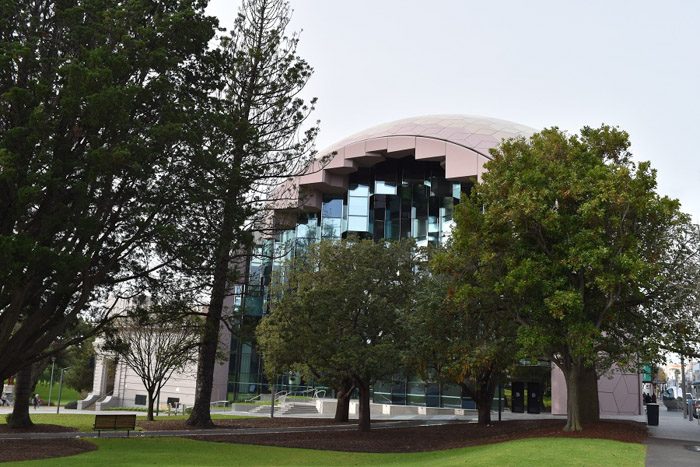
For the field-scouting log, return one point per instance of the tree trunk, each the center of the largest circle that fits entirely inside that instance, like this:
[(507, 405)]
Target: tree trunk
[(149, 416), (342, 408), (572, 374), (483, 400), (582, 406), (364, 417), (588, 396), (482, 392), (23, 391), (573, 416), (201, 411)]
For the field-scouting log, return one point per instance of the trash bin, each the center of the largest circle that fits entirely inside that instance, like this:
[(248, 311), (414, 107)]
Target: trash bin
[(653, 414)]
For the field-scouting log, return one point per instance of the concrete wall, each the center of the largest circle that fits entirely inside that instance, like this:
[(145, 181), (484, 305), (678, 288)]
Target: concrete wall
[(619, 393), (327, 407), (181, 385)]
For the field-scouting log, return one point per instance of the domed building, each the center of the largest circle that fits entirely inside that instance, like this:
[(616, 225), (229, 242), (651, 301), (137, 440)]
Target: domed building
[(400, 179), (396, 180)]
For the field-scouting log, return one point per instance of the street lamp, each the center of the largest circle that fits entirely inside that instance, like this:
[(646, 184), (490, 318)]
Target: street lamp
[(60, 390), (53, 363)]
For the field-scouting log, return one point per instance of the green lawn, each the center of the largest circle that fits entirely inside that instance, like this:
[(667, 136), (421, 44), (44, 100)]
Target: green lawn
[(67, 394), (84, 422), (176, 452)]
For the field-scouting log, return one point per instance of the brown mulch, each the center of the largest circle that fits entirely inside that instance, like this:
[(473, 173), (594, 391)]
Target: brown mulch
[(37, 428), (167, 425), (30, 449), (430, 438)]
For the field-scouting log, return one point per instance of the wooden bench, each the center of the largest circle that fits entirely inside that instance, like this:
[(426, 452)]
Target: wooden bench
[(115, 422)]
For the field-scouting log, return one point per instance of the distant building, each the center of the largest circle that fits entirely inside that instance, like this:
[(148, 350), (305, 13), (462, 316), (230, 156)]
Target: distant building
[(117, 385), (397, 180)]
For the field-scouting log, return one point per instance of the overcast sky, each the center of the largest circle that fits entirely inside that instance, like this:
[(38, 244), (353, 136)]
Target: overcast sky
[(634, 64)]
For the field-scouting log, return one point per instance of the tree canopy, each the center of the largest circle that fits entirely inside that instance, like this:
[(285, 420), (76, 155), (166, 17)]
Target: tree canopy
[(590, 251), (258, 137), (463, 330), (342, 313), (96, 100)]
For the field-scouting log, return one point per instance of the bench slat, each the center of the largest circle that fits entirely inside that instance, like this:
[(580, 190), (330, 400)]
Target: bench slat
[(115, 422)]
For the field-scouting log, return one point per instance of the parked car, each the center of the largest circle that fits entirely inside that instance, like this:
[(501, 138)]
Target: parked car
[(673, 398), (695, 403)]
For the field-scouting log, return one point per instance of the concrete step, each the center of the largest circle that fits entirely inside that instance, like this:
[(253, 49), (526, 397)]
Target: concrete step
[(300, 409), (291, 408)]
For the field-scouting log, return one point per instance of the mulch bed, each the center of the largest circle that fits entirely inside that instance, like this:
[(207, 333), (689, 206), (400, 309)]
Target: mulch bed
[(32, 449), (413, 439), (430, 438), (166, 425), (28, 449), (37, 428)]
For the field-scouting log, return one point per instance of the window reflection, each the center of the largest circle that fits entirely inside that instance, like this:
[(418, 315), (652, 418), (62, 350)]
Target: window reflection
[(332, 207), (396, 198), (357, 224), (358, 190), (384, 188), (358, 206), (331, 228)]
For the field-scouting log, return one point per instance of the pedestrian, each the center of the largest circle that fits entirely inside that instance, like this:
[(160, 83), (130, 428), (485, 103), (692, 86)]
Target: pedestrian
[(35, 401), (653, 398)]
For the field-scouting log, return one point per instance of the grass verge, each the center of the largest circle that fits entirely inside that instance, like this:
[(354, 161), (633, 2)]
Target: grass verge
[(181, 452), (67, 394)]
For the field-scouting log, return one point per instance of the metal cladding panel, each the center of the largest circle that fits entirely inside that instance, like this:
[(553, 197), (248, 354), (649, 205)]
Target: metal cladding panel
[(480, 166), (460, 163), (460, 143), (465, 130), (339, 164), (430, 149), (377, 145), (401, 143), (355, 150)]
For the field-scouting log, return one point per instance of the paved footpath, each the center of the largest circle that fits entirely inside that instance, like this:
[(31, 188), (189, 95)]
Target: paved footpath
[(675, 441)]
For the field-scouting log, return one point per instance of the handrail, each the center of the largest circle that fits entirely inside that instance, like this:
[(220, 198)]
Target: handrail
[(105, 396), (314, 393), (254, 398), (281, 396), (383, 397)]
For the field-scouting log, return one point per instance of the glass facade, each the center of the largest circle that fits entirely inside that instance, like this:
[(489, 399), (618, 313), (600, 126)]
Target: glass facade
[(396, 198)]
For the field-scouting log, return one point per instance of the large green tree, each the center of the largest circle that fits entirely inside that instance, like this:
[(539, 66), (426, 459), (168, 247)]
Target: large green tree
[(258, 137), (462, 327), (343, 307), (591, 251), (97, 100)]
